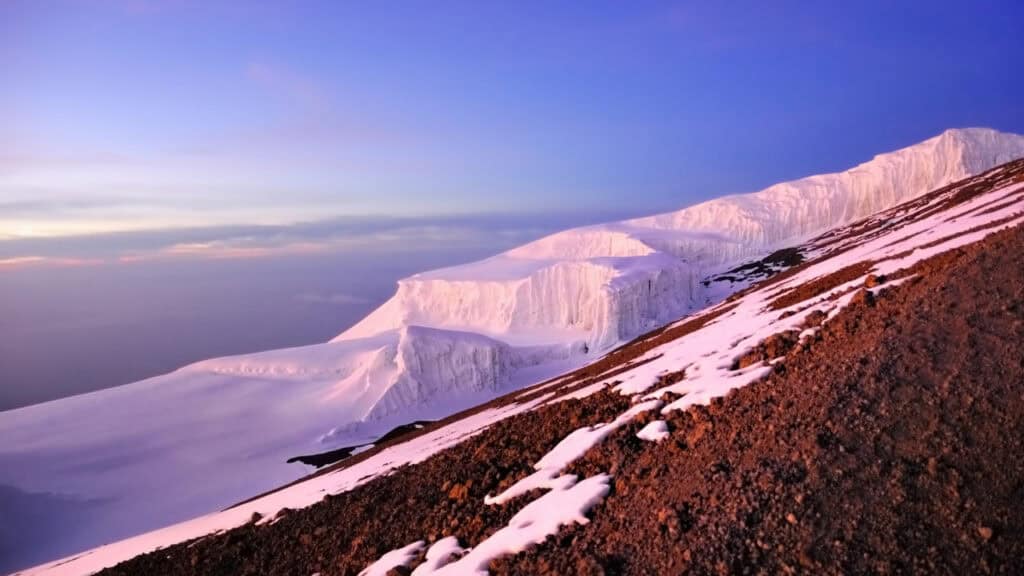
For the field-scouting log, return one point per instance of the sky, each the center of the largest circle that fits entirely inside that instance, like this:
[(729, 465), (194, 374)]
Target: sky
[(163, 151)]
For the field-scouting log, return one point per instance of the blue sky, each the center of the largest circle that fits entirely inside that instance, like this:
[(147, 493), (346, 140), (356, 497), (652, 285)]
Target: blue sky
[(161, 114), (181, 180)]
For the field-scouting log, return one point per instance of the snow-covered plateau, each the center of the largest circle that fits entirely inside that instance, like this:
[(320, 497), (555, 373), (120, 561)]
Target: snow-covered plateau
[(107, 465)]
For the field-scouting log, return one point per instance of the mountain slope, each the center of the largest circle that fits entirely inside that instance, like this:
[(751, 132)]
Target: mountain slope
[(527, 452), (889, 443), (449, 340)]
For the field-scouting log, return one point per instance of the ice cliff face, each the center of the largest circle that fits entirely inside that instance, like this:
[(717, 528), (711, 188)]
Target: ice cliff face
[(428, 360), (607, 283)]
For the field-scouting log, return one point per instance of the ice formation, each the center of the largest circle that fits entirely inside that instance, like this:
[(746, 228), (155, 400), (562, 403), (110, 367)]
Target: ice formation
[(607, 283)]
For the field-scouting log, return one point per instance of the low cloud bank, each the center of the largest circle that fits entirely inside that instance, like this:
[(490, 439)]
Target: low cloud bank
[(359, 234)]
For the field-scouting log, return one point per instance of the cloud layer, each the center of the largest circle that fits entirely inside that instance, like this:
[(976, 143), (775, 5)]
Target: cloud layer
[(354, 234)]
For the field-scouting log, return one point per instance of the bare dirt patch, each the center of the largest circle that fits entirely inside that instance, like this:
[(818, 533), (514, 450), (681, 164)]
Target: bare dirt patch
[(820, 286)]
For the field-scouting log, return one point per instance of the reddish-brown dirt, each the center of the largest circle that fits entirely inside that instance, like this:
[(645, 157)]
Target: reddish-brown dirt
[(821, 285), (893, 444), (439, 497)]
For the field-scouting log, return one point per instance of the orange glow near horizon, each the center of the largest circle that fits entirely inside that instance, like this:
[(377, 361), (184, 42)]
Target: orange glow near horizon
[(19, 262)]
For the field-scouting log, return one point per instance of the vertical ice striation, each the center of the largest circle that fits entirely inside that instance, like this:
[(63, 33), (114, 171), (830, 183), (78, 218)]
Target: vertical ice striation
[(793, 209), (436, 364)]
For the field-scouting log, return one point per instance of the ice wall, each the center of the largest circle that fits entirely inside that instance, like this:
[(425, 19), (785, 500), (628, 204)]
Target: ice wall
[(436, 366), (611, 282), (793, 209)]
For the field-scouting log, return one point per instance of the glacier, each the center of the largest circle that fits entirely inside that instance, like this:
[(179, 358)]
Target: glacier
[(610, 282), (449, 339)]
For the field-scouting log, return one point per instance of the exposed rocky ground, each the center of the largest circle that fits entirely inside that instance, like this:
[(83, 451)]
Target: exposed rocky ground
[(889, 443), (892, 444), (760, 269)]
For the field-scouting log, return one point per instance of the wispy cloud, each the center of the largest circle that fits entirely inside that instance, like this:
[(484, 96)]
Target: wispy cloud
[(28, 207), (229, 249), (11, 160), (308, 239), (370, 235), (20, 262)]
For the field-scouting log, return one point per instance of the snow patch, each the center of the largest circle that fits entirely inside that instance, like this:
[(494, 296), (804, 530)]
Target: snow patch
[(564, 505), (655, 431), (440, 554), (568, 450), (400, 557)]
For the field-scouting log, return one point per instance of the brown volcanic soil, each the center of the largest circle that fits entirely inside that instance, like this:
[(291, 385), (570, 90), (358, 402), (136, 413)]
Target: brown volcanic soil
[(894, 443), (439, 497)]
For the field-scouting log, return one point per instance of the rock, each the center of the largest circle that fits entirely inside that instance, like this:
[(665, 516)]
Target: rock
[(588, 567), (459, 492), (864, 297), (697, 432), (671, 378), (772, 347), (779, 344), (621, 485), (749, 359), (815, 318), (663, 515)]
